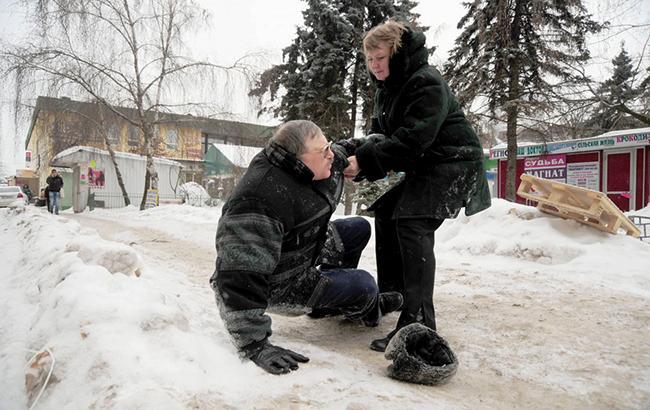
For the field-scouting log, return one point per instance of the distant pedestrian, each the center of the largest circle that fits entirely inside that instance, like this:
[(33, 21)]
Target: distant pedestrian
[(54, 184)]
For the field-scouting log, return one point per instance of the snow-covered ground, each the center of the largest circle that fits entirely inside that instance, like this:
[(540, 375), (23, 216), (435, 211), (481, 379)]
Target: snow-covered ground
[(541, 312)]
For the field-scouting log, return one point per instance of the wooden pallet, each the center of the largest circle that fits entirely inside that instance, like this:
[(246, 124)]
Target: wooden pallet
[(589, 207)]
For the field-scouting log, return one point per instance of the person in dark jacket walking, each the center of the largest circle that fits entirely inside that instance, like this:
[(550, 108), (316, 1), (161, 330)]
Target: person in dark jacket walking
[(54, 184), (273, 234), (419, 129)]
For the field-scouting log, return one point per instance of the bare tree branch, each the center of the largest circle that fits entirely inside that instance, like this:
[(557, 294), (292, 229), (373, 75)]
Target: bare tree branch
[(121, 54)]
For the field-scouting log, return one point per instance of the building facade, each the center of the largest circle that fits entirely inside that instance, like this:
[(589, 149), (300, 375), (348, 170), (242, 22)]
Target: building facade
[(616, 163), (59, 124)]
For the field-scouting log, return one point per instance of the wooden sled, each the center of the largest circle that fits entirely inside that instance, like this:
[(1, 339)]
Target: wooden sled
[(589, 207)]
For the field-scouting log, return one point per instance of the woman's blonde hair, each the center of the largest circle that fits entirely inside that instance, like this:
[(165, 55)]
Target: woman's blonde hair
[(389, 33)]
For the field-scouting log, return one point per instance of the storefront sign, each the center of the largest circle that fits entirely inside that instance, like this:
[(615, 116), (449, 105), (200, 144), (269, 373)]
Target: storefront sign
[(547, 167), (584, 175)]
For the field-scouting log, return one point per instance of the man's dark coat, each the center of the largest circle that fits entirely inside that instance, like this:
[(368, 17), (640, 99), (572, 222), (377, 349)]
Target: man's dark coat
[(270, 238)]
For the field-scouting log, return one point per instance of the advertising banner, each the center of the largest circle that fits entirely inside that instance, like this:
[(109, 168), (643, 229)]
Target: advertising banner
[(584, 175), (547, 167), (95, 176)]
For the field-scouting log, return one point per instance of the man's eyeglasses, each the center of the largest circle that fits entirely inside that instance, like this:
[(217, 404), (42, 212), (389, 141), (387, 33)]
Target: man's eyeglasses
[(325, 150)]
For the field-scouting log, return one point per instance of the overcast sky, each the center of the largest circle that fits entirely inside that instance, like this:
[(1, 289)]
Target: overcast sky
[(262, 26)]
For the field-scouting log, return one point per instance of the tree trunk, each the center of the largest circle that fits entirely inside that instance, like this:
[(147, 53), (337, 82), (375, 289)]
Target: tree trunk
[(514, 94), (102, 125), (350, 189), (359, 63), (120, 181), (151, 175), (639, 116), (511, 135)]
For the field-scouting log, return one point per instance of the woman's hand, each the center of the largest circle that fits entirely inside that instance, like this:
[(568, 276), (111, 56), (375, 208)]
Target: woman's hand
[(352, 170)]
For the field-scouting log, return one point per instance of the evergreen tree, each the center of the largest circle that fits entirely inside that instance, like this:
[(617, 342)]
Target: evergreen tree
[(644, 97), (616, 90), (323, 77), (512, 54), (368, 192)]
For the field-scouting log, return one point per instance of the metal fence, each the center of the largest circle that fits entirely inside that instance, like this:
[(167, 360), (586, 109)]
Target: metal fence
[(643, 223), (99, 199)]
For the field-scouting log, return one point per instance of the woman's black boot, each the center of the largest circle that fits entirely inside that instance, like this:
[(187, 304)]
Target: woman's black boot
[(379, 345)]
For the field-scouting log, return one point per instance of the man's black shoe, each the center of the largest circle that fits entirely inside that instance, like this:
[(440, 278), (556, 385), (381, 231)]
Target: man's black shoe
[(379, 345), (390, 302)]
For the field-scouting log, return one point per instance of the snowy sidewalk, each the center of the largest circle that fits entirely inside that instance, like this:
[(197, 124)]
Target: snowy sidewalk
[(541, 312)]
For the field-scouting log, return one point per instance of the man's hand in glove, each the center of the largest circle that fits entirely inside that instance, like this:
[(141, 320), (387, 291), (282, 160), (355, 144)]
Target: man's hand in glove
[(274, 359)]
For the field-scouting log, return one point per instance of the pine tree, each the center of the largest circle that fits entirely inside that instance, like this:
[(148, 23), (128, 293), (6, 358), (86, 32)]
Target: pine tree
[(368, 192), (323, 77), (644, 96), (616, 90), (512, 54)]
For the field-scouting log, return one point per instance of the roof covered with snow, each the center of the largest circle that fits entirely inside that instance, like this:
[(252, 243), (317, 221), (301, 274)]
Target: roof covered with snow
[(64, 157), (238, 155)]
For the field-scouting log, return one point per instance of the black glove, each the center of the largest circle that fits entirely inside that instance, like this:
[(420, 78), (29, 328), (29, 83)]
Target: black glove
[(274, 359)]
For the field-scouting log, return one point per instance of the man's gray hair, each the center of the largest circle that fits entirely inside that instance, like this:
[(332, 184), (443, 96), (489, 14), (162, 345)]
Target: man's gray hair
[(292, 135)]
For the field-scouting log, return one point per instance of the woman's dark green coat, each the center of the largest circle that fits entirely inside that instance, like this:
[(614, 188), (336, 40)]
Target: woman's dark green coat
[(425, 135)]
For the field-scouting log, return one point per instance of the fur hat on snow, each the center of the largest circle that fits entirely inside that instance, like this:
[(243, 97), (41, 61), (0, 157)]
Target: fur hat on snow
[(420, 355)]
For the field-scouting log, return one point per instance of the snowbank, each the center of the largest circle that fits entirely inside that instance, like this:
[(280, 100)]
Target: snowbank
[(533, 304), (640, 212), (554, 247), (121, 336), (149, 341)]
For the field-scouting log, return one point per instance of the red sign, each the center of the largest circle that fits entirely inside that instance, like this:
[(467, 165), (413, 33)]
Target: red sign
[(545, 161), (547, 167)]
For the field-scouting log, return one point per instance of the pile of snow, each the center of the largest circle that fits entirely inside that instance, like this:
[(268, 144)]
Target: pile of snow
[(148, 341), (194, 194), (546, 244), (116, 328), (526, 300), (640, 212)]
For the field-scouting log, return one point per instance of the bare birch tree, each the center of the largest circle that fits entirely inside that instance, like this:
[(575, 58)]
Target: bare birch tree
[(121, 54)]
